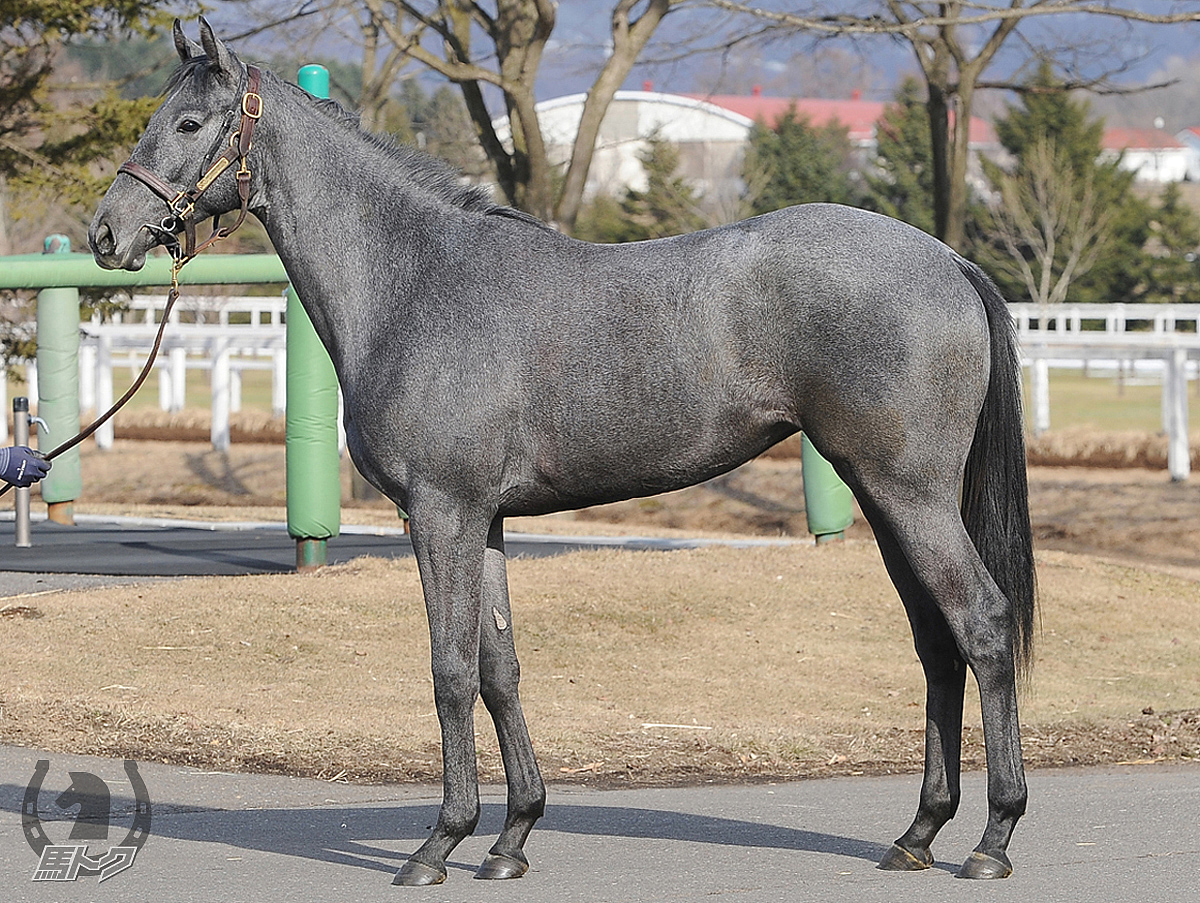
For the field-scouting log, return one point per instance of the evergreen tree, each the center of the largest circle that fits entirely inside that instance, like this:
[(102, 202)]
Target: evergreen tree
[(902, 184), (796, 163), (1171, 273), (1067, 225), (668, 205)]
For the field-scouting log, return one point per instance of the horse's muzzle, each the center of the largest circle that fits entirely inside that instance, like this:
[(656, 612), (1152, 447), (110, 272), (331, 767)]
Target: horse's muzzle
[(108, 251)]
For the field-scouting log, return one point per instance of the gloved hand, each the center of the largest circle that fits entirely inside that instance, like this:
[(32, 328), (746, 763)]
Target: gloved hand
[(22, 466)]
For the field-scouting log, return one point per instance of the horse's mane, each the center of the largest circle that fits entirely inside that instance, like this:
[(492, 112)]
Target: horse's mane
[(435, 176)]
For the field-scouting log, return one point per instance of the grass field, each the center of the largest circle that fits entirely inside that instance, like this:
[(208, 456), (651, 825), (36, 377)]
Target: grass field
[(638, 667), (1102, 401)]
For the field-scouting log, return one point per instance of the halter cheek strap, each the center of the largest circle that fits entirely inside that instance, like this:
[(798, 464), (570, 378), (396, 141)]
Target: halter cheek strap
[(183, 203)]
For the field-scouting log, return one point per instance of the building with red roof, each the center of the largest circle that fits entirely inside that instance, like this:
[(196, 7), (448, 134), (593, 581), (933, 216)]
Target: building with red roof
[(859, 117), (1153, 154), (710, 133)]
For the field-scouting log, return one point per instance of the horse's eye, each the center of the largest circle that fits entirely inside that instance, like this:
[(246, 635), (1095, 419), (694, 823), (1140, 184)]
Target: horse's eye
[(189, 125)]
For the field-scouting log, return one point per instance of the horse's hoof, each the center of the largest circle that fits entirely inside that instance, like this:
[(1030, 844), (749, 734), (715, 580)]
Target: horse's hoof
[(497, 867), (986, 865), (418, 874), (898, 859)]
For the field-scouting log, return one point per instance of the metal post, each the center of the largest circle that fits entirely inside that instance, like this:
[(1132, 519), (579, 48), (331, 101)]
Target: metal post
[(21, 496)]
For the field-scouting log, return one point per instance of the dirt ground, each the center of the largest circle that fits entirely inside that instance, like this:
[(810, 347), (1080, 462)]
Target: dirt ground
[(714, 664)]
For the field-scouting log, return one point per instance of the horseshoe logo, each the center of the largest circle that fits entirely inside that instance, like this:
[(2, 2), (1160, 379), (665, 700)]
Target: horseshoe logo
[(31, 822)]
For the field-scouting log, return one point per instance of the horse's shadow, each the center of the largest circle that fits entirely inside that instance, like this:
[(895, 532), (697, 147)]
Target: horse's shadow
[(328, 833)]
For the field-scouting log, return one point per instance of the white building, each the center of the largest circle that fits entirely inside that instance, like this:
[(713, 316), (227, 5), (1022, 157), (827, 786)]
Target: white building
[(709, 132), (1190, 138), (1152, 154)]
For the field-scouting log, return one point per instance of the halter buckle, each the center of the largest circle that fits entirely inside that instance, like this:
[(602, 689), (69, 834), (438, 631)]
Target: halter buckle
[(182, 206), (252, 105)]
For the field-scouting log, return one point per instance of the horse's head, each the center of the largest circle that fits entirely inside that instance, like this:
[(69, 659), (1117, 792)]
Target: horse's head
[(196, 124)]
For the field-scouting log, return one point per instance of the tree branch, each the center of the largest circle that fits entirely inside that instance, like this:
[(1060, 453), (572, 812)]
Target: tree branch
[(876, 25)]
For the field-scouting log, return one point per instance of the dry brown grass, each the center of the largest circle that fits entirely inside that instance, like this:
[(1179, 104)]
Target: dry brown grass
[(766, 662)]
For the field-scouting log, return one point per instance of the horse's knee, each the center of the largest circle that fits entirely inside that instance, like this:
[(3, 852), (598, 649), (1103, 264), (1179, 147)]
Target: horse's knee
[(499, 678), (455, 685)]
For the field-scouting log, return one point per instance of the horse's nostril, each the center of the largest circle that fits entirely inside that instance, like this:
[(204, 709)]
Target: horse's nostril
[(105, 243)]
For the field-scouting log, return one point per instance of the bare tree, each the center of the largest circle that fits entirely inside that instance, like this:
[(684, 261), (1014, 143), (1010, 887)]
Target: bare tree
[(1051, 222), (498, 46), (954, 43)]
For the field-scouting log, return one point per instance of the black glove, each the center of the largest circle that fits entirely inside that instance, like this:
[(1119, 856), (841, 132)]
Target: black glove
[(22, 466)]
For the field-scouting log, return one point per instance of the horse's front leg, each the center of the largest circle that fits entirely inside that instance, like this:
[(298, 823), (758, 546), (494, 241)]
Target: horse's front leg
[(449, 541), (500, 674)]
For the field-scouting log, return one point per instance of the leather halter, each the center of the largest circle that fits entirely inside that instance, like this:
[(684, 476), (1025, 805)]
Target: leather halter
[(183, 203), (183, 212)]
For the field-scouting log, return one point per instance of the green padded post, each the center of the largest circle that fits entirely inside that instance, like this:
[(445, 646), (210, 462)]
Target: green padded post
[(58, 389), (314, 491), (828, 502)]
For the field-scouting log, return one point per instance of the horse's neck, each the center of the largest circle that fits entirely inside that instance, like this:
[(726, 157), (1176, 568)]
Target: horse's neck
[(326, 214)]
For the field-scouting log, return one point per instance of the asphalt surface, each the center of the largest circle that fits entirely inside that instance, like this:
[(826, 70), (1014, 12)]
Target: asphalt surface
[(97, 548), (1115, 834)]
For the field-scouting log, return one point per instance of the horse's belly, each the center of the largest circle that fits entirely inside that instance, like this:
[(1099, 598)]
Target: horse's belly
[(638, 458)]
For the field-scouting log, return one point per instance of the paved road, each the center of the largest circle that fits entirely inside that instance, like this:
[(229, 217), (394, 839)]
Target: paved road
[(1117, 834), (98, 548)]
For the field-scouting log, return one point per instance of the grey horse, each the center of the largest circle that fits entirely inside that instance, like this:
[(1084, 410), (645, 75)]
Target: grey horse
[(493, 367)]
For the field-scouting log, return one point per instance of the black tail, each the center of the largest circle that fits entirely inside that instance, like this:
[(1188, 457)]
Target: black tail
[(995, 500)]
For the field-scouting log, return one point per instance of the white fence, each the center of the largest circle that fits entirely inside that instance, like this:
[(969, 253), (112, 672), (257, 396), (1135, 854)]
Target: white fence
[(1164, 338), (228, 336), (225, 336)]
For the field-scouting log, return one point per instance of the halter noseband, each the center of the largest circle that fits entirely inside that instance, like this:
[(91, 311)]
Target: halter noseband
[(183, 203)]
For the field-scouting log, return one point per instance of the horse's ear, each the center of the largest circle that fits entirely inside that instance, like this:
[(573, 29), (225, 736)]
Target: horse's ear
[(220, 60), (185, 46)]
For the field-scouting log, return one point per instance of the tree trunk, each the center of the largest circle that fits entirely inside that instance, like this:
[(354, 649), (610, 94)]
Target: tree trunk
[(939, 143), (628, 42), (955, 232)]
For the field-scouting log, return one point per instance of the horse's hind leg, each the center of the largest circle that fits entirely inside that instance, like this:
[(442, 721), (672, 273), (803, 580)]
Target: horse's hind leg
[(500, 674), (945, 681), (930, 537)]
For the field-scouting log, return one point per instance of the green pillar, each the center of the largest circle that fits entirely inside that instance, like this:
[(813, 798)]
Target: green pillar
[(313, 467), (828, 502), (58, 389)]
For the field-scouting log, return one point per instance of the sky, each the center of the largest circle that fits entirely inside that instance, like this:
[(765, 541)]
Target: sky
[(685, 55)]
